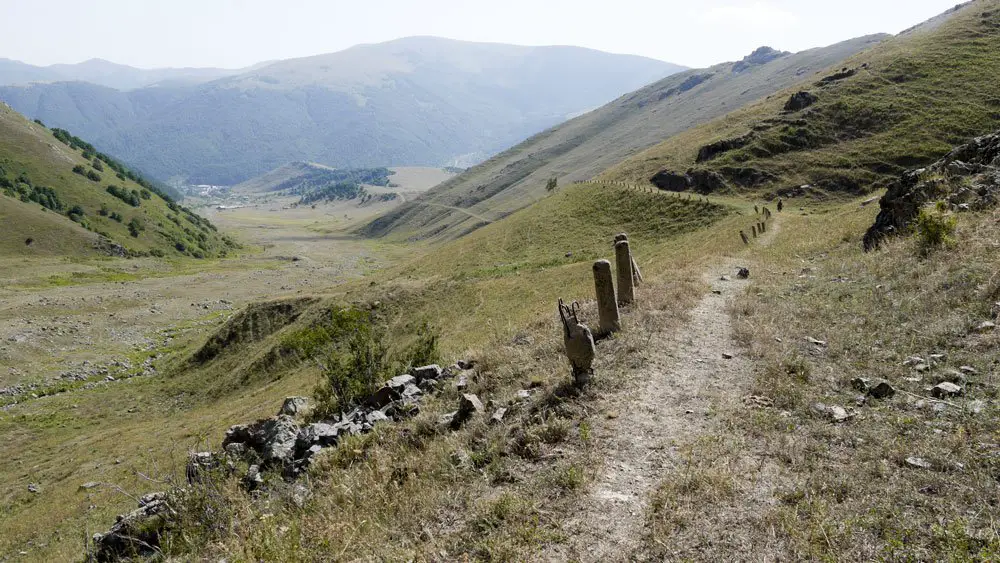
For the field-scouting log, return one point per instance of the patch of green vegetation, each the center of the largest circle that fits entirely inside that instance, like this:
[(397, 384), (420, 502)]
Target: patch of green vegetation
[(61, 175)]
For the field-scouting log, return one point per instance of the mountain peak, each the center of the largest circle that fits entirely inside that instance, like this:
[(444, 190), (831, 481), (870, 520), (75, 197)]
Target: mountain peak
[(760, 56)]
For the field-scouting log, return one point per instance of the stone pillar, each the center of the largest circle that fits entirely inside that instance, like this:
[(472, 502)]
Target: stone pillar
[(607, 306), (744, 237), (753, 230), (763, 227), (623, 263)]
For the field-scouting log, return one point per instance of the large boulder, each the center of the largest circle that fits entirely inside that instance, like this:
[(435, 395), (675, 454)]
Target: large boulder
[(671, 181), (272, 438), (800, 101)]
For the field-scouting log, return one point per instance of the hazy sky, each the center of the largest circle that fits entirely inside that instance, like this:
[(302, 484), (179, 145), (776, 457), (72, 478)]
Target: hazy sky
[(237, 33)]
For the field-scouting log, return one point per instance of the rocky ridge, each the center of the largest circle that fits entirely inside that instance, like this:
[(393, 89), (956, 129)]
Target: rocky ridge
[(967, 179)]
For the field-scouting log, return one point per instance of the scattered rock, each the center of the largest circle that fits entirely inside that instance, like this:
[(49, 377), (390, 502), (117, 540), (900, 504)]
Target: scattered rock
[(881, 390), (317, 434), (951, 376), (411, 392), (272, 438), (523, 395), (945, 389), (401, 381), (253, 479), (922, 367), (986, 326), (465, 364), (89, 485), (33, 488), (461, 383), (498, 415), (861, 384), (743, 273), (835, 413), (469, 405), (432, 371), (727, 356), (918, 463), (968, 369), (816, 342), (293, 406), (382, 397)]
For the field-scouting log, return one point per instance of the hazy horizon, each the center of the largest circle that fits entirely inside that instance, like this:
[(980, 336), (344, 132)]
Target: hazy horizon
[(236, 34)]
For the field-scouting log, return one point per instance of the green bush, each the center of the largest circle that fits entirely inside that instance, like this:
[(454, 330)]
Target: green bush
[(75, 213), (935, 226), (93, 176), (135, 226), (351, 375)]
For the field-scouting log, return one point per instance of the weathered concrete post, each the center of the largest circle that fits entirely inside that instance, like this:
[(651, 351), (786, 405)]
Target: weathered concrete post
[(636, 273), (579, 343), (623, 264), (763, 227), (781, 205), (744, 237), (607, 306), (753, 230), (756, 210)]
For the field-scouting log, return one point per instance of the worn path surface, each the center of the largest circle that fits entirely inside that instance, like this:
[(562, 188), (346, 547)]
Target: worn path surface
[(689, 373)]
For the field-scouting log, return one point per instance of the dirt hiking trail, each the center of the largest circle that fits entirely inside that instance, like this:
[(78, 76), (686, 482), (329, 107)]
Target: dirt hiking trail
[(689, 374)]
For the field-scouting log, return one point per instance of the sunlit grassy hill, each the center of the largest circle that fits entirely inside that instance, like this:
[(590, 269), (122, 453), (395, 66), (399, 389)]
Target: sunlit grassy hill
[(86, 199), (899, 105)]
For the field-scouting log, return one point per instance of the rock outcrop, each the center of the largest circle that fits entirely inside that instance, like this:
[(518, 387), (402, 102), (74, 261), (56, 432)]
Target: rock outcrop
[(135, 533), (968, 178), (800, 101)]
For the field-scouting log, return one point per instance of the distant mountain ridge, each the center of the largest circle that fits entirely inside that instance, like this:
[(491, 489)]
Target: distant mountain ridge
[(583, 147), (412, 101), (107, 74)]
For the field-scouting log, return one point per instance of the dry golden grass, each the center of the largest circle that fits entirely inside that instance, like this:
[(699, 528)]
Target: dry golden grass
[(787, 483)]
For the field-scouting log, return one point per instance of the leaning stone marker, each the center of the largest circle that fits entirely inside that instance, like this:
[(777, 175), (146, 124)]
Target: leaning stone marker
[(579, 343), (623, 263), (607, 306)]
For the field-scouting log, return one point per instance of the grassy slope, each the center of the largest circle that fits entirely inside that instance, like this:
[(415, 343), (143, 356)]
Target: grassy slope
[(582, 147), (922, 92), (52, 234), (29, 148), (784, 482), (478, 302)]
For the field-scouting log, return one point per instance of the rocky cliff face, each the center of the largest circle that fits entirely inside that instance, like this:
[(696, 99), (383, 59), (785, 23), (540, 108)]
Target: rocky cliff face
[(968, 178)]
